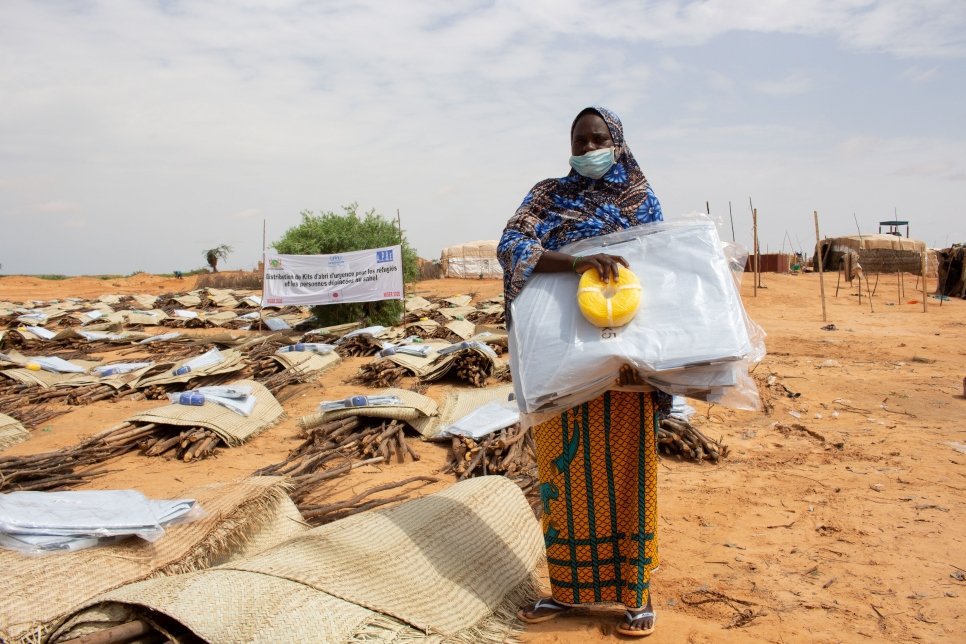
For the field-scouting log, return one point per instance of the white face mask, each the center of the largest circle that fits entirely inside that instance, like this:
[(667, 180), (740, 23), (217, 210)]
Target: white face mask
[(593, 165)]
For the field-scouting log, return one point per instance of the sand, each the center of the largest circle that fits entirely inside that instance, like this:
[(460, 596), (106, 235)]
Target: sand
[(837, 517)]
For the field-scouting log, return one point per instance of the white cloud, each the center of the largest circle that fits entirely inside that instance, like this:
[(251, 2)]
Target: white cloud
[(796, 83), (54, 207), (920, 75)]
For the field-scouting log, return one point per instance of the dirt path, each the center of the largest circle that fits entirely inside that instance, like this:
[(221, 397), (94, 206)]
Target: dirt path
[(837, 517)]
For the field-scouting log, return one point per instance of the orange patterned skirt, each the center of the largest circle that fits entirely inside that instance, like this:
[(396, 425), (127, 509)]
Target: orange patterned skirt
[(597, 464)]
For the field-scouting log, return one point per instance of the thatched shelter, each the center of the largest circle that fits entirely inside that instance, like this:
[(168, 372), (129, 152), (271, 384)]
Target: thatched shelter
[(952, 271), (875, 253)]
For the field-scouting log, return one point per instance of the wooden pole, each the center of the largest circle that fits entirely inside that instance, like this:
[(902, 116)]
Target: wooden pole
[(402, 260), (821, 277), (754, 224), (732, 218), (923, 270)]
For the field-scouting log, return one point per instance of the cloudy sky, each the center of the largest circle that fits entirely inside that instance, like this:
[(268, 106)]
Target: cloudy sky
[(136, 134)]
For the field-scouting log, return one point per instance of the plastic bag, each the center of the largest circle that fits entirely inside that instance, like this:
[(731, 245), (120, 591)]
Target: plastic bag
[(691, 335)]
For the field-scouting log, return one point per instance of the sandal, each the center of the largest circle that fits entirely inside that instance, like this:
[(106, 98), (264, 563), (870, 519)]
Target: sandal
[(552, 607), (633, 617)]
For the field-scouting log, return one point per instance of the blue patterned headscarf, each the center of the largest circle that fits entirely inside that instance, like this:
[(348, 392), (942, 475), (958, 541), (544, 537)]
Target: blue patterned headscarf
[(557, 212)]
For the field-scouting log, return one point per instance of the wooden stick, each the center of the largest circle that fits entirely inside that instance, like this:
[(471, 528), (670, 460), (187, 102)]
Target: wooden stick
[(923, 271), (821, 277), (120, 633)]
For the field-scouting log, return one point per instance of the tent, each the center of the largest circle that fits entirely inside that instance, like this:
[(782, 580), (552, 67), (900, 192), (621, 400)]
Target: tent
[(476, 259)]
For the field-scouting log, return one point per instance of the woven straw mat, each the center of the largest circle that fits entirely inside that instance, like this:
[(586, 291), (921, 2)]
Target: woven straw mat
[(462, 328), (415, 409), (443, 564), (49, 379), (163, 374), (232, 427), (42, 589), (306, 362), (11, 432)]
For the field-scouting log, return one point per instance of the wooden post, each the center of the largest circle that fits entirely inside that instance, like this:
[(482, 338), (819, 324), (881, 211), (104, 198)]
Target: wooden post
[(402, 260), (754, 224), (821, 277), (732, 218), (923, 270)]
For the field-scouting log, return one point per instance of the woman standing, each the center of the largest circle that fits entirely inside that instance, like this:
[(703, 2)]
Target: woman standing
[(597, 461)]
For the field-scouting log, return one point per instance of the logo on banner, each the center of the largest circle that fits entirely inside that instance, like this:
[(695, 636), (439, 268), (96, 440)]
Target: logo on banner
[(336, 260), (383, 256), (275, 263)]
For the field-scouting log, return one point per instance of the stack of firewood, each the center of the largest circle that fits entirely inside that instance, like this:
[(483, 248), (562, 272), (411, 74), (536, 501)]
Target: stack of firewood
[(320, 514), (680, 438), (358, 345), (379, 374), (70, 466), (87, 394), (510, 451), (262, 368), (338, 441), (473, 367), (192, 443)]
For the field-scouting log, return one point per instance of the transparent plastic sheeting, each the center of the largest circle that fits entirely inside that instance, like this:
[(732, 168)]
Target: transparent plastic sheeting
[(484, 420), (37, 522), (691, 335)]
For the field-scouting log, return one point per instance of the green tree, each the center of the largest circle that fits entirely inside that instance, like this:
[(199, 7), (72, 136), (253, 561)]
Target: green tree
[(328, 234), (212, 255)]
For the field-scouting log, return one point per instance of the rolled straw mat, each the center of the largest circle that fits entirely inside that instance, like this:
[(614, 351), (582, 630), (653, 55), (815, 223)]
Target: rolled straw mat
[(449, 567), (232, 427), (238, 516), (11, 432)]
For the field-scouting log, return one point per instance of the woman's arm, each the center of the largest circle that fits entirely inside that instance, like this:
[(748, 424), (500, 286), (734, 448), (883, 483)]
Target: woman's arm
[(552, 261)]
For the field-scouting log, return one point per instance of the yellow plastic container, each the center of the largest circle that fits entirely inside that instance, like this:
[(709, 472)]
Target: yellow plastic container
[(609, 304)]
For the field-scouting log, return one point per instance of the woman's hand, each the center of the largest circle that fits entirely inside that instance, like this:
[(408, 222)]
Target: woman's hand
[(605, 265)]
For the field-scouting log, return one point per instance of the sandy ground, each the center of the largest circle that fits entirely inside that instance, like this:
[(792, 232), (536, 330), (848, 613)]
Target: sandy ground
[(837, 517)]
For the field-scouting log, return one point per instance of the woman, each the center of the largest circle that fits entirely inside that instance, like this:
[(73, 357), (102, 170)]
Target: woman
[(597, 461)]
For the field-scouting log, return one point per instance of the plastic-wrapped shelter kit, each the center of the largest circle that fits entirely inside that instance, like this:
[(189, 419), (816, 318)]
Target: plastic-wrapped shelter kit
[(690, 336)]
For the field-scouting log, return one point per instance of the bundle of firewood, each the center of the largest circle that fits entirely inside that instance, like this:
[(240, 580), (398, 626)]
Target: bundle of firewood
[(87, 394), (16, 395), (358, 345), (31, 416), (320, 514), (442, 333), (473, 367), (483, 318), (168, 351), (276, 382), (262, 368), (680, 438), (338, 441), (379, 374), (510, 451), (191, 443), (70, 466)]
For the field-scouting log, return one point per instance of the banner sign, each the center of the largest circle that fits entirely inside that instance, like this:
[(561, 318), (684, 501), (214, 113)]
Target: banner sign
[(358, 276)]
